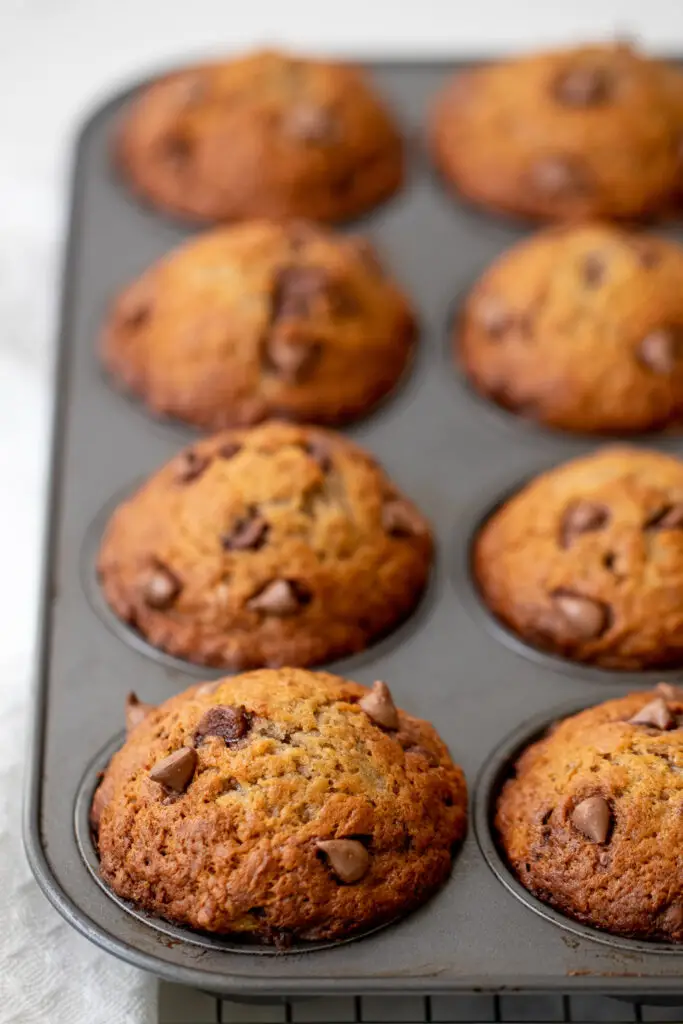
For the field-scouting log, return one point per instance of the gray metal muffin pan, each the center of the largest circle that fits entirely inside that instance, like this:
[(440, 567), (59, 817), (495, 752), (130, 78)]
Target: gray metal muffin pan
[(450, 663)]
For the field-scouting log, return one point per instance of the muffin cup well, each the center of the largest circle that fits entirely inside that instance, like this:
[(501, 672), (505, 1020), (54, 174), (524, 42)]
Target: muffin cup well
[(498, 768)]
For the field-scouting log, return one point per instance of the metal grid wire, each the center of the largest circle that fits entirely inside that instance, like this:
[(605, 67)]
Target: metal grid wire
[(180, 1005)]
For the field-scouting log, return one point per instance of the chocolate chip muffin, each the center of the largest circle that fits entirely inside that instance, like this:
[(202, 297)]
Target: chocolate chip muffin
[(594, 131), (580, 328), (261, 320), (586, 561), (592, 820), (276, 546), (279, 805), (264, 135)]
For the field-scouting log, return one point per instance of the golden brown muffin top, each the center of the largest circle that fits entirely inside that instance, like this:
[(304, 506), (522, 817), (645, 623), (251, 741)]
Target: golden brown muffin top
[(593, 819), (277, 545), (266, 134), (591, 131), (587, 559), (290, 808), (580, 328), (260, 320)]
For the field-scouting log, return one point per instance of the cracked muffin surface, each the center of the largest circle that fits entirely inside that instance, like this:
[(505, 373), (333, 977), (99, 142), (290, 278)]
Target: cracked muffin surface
[(272, 546), (268, 134), (593, 131), (586, 561), (259, 320), (592, 820), (290, 810), (582, 329)]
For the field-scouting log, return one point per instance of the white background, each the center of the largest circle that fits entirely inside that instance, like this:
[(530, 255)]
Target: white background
[(58, 58)]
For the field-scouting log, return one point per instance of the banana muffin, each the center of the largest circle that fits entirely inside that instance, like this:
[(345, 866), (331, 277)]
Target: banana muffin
[(282, 545), (592, 820), (259, 320), (580, 328), (279, 805), (268, 134), (593, 131), (586, 561)]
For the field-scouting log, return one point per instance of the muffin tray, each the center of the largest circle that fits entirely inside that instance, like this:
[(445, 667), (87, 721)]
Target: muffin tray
[(450, 663)]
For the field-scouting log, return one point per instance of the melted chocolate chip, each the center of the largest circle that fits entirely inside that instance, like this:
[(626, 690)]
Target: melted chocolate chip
[(294, 290), (584, 86), (582, 517), (379, 706), (558, 177), (348, 858), (291, 358), (669, 517), (161, 587), (494, 316), (656, 713), (136, 711), (175, 772), (228, 723), (661, 350), (594, 270), (320, 453), (176, 151), (583, 618), (400, 519), (593, 818), (308, 122), (247, 534), (192, 466), (280, 598), (229, 450)]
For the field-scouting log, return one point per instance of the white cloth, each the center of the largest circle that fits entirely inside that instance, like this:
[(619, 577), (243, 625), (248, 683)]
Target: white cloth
[(57, 57)]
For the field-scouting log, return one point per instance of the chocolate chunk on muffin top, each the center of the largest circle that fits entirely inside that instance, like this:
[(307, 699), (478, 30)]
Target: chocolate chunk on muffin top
[(592, 821), (586, 561), (268, 134), (271, 546), (580, 328), (276, 806), (592, 131), (260, 320)]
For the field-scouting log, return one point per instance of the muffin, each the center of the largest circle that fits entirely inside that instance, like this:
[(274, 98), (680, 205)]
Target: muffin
[(281, 545), (593, 131), (580, 328), (261, 320), (592, 820), (586, 561), (279, 805), (263, 135)]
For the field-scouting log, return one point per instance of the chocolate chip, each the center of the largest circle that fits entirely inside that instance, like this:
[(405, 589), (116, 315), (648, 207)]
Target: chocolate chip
[(292, 359), (415, 748), (320, 453), (400, 519), (176, 151), (558, 177), (669, 517), (294, 290), (648, 255), (309, 122), (379, 706), (669, 692), (248, 533), (593, 817), (582, 517), (584, 86), (136, 711), (175, 771), (281, 597), (593, 270), (660, 350), (656, 713), (584, 618), (192, 466), (494, 316), (161, 587), (348, 858), (229, 450), (228, 723)]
